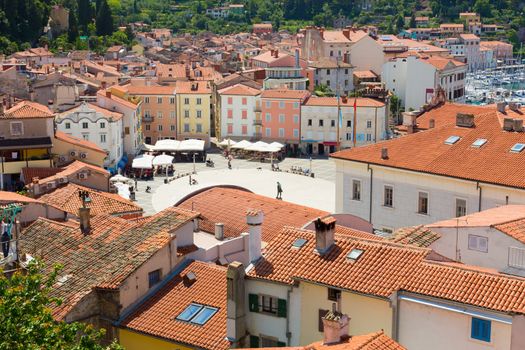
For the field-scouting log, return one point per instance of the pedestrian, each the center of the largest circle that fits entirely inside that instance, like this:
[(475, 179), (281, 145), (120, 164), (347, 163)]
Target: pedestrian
[(5, 238), (229, 164), (136, 187), (190, 180), (279, 191)]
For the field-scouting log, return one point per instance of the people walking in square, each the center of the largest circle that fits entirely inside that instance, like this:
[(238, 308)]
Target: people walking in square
[(279, 191)]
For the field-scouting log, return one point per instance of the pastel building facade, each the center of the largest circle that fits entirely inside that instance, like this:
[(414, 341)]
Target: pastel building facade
[(240, 112), (194, 110)]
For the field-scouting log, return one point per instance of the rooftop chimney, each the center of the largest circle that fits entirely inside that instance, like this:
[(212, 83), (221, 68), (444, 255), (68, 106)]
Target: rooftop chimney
[(513, 106), (335, 326), (254, 219), (276, 54), (235, 309), (465, 120), (431, 123), (83, 214), (324, 234), (508, 124), (346, 33), (219, 231), (384, 153), (501, 106), (108, 93), (518, 125)]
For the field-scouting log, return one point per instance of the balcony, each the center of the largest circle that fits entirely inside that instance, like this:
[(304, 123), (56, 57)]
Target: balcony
[(257, 135), (257, 108), (148, 119), (257, 122)]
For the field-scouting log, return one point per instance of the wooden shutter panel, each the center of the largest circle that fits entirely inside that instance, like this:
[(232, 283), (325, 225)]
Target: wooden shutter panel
[(281, 308), (254, 341), (253, 301)]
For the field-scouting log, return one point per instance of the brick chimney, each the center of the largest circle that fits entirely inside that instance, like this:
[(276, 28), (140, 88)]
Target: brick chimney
[(465, 120), (276, 53), (321, 32), (501, 106), (384, 153), (235, 308), (108, 93), (518, 125), (335, 327), (84, 218), (508, 124), (254, 219), (324, 234)]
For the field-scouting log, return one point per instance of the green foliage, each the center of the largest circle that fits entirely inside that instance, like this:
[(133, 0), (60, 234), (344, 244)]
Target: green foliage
[(323, 90), (85, 14), (72, 33), (26, 320)]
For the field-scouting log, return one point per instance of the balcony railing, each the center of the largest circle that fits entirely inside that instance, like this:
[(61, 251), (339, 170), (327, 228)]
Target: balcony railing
[(257, 108), (257, 122), (147, 119), (516, 257)]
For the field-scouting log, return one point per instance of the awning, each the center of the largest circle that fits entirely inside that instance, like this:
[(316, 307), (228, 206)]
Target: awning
[(330, 143), (144, 161), (36, 142), (191, 145), (163, 159), (310, 141)]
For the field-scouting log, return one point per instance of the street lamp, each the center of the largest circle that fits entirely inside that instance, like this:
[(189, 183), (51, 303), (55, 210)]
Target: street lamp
[(194, 164)]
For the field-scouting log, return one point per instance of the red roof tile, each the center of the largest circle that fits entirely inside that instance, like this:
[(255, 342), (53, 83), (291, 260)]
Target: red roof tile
[(285, 94), (156, 316), (79, 142), (347, 102), (446, 114), (27, 110)]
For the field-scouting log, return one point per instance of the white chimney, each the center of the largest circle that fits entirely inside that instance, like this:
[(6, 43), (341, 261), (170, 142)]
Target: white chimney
[(219, 231), (254, 219), (335, 327)]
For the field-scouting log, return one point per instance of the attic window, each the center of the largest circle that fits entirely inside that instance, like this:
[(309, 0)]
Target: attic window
[(517, 148), (299, 243), (354, 254), (452, 140), (197, 314), (479, 142)]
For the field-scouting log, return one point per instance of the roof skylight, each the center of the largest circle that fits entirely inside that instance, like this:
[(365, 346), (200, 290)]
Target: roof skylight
[(299, 243), (452, 140), (479, 142), (197, 314), (354, 254), (517, 148)]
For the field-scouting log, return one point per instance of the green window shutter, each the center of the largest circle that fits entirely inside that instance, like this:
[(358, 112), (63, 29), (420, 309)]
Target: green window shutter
[(254, 341), (253, 300), (281, 344), (281, 308)]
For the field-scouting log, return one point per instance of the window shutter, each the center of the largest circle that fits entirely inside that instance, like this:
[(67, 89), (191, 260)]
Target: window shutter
[(281, 344), (253, 303), (254, 340), (281, 308)]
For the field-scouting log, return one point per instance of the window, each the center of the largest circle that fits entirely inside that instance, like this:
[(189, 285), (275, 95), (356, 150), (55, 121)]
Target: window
[(230, 100), (517, 148), (199, 101), (68, 125), (452, 140), (281, 104), (267, 304), (334, 294), (172, 127), (368, 124), (126, 130), (159, 115), (199, 114), (354, 254), (268, 117), (348, 136), (159, 100), (479, 243), (296, 133), (268, 132), (309, 122), (270, 342), (154, 277), (197, 314), (198, 127), (268, 104), (422, 203), (296, 119), (281, 132), (186, 114), (388, 197), (102, 125), (461, 207), (85, 125), (159, 127), (480, 329), (186, 127), (103, 138), (172, 100), (348, 123), (85, 137), (186, 101), (244, 114), (146, 99), (356, 190), (230, 129), (244, 101), (328, 83), (299, 243), (369, 137), (281, 118), (244, 129), (172, 114), (321, 123), (332, 123), (296, 105), (148, 127)]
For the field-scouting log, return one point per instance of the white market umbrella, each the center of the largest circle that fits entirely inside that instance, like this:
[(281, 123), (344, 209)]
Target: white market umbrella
[(167, 145), (242, 144), (277, 145), (119, 178), (191, 145), (163, 159), (122, 190), (227, 143), (146, 147), (143, 161)]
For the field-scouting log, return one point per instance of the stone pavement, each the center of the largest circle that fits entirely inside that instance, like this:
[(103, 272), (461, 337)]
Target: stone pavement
[(318, 192)]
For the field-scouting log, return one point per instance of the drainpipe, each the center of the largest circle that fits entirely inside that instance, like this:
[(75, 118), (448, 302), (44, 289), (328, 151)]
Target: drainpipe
[(479, 199), (288, 333), (394, 304), (375, 126), (371, 189)]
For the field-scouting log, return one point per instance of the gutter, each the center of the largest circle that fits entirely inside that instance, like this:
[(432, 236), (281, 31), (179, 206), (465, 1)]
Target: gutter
[(369, 168), (480, 191), (288, 333)]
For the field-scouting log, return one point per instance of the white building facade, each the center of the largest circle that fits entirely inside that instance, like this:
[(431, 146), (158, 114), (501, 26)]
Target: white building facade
[(95, 124), (240, 112)]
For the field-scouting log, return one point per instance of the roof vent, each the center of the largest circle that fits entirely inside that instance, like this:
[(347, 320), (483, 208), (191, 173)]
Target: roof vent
[(501, 106), (518, 125), (354, 254), (384, 153), (465, 120), (452, 140), (431, 123), (508, 124), (517, 148)]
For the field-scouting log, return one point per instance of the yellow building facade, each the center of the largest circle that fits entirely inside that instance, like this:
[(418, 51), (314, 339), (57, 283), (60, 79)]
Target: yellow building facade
[(194, 110), (136, 341)]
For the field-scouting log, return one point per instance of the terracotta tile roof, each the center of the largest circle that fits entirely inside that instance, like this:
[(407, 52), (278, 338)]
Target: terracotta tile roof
[(469, 285), (241, 90), (348, 102), (285, 94), (71, 169), (515, 229), (13, 197), (229, 206), (156, 316), (426, 152), (171, 70), (494, 44), (382, 268), (337, 36), (29, 173), (451, 25), (151, 90), (267, 56), (27, 110), (372, 341), (328, 63), (102, 93), (193, 87), (66, 199), (348, 231), (79, 142), (365, 74), (420, 236), (105, 257), (105, 112), (446, 114), (468, 36), (442, 63)]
